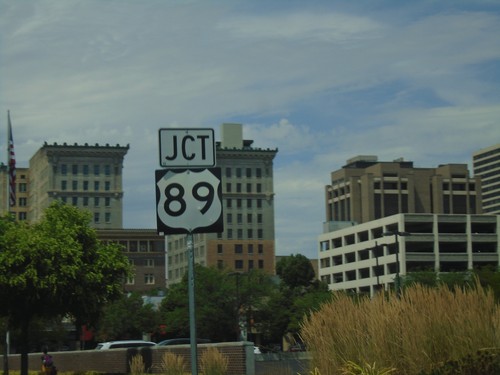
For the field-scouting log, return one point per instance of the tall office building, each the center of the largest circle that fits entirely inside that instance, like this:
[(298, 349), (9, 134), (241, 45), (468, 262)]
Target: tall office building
[(366, 189), (248, 207), (88, 177), (486, 164)]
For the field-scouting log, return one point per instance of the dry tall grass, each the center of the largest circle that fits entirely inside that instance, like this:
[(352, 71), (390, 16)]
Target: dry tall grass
[(173, 364), (136, 365), (213, 362), (424, 327)]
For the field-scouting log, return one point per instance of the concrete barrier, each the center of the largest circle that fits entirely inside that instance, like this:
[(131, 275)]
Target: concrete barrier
[(116, 361)]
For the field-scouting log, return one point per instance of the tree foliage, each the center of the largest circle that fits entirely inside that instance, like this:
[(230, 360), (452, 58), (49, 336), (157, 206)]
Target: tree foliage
[(56, 267), (127, 318), (295, 271)]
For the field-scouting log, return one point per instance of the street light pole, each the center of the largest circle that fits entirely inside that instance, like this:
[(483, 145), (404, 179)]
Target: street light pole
[(396, 235)]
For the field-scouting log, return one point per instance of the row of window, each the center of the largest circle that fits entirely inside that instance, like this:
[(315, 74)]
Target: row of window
[(86, 201), (85, 169), (238, 172), (238, 248), (239, 218), (239, 234), (239, 203), (85, 185), (149, 279), (239, 264), (239, 188)]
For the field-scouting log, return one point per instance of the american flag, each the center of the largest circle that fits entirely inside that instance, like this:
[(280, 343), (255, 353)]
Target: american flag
[(12, 166)]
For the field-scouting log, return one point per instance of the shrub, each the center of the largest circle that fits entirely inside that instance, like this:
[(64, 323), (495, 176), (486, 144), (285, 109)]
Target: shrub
[(173, 364), (413, 333), (213, 362)]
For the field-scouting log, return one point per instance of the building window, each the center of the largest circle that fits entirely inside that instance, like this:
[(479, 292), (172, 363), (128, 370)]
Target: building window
[(238, 172), (249, 218), (238, 188), (249, 188), (261, 263), (96, 217), (85, 185), (74, 169), (259, 188), (97, 169), (63, 184), (238, 264), (96, 185), (249, 233), (22, 216), (240, 234), (260, 248), (149, 279), (220, 248), (22, 202), (22, 187), (250, 248), (107, 217), (107, 185), (260, 234), (258, 172), (229, 203), (250, 264), (131, 280), (96, 201), (259, 203), (259, 218), (107, 201), (230, 233), (228, 172), (238, 249), (74, 201), (238, 203), (228, 187), (239, 219), (229, 218), (249, 203), (150, 262), (64, 169), (220, 264), (85, 201), (249, 172), (85, 169), (74, 185), (107, 170)]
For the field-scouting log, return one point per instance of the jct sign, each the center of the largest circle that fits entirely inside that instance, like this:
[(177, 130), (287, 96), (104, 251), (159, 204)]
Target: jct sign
[(187, 148)]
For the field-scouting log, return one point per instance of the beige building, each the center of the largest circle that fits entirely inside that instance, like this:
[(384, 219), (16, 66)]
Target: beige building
[(85, 176), (20, 209), (248, 239), (366, 189), (486, 165), (363, 258)]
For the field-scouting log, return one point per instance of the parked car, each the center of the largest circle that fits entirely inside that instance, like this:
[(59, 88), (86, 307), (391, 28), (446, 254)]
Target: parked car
[(124, 344), (182, 341)]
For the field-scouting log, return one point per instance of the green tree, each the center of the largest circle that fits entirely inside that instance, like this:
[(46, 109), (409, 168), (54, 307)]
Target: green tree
[(56, 268), (295, 271), (214, 301), (127, 318)]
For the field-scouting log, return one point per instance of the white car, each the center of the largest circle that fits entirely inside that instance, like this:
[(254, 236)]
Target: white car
[(124, 344)]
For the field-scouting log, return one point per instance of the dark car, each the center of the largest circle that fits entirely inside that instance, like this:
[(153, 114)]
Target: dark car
[(182, 341)]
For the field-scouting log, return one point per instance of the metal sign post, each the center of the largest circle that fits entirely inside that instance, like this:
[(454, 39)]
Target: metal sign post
[(188, 199), (192, 306)]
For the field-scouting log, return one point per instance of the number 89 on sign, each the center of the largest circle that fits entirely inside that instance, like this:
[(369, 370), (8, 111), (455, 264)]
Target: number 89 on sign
[(189, 201)]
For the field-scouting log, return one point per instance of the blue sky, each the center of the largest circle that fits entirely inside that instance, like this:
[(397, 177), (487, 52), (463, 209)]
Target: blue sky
[(322, 81)]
